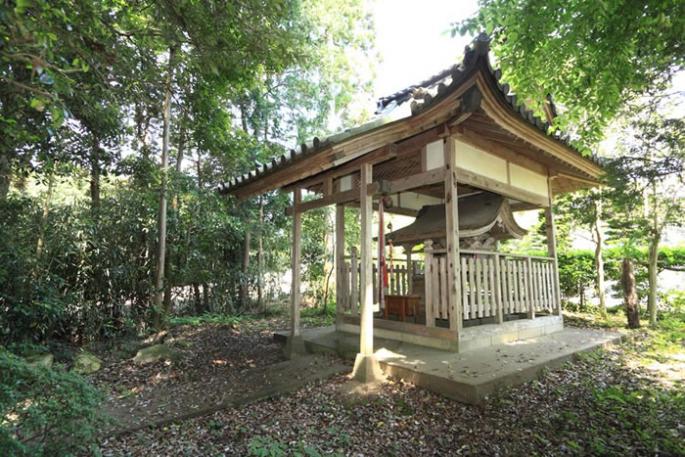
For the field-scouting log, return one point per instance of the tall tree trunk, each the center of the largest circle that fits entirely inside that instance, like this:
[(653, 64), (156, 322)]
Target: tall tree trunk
[(205, 296), (95, 176), (198, 300), (630, 298), (181, 151), (653, 273), (246, 266), (161, 223), (260, 254), (653, 256), (166, 302), (198, 164), (599, 265), (44, 216), (5, 175)]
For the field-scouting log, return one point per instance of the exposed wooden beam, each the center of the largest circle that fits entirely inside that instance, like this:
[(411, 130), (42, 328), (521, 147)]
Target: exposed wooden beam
[(359, 145), (452, 237), (407, 183), (478, 141), (522, 206), (387, 152), (482, 182), (589, 182), (392, 209), (497, 109), (332, 199), (383, 154), (328, 186)]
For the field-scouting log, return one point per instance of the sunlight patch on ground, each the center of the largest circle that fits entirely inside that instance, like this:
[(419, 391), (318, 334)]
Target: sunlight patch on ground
[(669, 372)]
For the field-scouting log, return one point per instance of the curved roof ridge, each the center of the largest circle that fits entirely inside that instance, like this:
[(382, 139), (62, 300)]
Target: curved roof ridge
[(421, 98)]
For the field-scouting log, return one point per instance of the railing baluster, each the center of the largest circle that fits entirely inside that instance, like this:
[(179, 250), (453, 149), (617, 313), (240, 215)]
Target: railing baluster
[(486, 287), (354, 290), (466, 305), (428, 282), (499, 306), (529, 288), (472, 288)]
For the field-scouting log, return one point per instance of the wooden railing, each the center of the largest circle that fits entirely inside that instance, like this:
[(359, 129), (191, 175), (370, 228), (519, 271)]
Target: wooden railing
[(493, 284), (400, 279)]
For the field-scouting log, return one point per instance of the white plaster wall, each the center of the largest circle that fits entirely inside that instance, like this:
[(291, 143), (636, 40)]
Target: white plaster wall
[(481, 162), (435, 155), (346, 183), (526, 179)]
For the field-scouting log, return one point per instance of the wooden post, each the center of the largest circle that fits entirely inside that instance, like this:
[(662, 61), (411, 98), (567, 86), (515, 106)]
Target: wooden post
[(410, 270), (552, 249), (341, 285), (452, 236), (428, 282), (529, 288), (354, 289), (295, 344), (499, 305), (366, 367)]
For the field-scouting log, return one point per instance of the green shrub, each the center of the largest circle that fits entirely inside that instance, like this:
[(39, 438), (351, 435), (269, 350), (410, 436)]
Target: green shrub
[(674, 300), (44, 411)]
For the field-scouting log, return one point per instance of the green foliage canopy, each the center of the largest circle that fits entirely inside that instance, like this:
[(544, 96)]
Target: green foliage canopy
[(589, 55)]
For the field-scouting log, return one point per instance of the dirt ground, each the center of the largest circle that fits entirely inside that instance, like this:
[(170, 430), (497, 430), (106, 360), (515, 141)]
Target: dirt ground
[(601, 404)]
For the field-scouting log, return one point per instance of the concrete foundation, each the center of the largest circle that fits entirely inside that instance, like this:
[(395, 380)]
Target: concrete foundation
[(476, 337), (294, 347), (472, 375)]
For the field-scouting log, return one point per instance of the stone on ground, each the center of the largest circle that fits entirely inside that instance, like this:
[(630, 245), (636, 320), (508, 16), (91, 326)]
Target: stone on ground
[(40, 360), (153, 354), (85, 363)]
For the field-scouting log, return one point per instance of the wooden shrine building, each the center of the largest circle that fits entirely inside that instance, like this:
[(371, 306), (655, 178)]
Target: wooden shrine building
[(461, 154)]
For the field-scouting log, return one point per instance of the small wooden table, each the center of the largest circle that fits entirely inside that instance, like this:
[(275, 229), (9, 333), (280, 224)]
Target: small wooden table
[(401, 306)]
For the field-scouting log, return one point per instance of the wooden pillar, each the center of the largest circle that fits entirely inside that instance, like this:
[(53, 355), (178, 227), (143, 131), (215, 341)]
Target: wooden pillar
[(354, 280), (452, 237), (428, 283), (366, 367), (499, 315), (410, 270), (295, 345), (552, 248), (341, 282), (529, 288)]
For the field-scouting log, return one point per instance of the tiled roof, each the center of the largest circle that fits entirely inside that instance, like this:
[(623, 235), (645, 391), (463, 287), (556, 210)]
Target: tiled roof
[(417, 97)]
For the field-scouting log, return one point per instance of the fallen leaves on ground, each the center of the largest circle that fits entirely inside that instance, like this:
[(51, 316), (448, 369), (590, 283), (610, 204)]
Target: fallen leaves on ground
[(596, 405)]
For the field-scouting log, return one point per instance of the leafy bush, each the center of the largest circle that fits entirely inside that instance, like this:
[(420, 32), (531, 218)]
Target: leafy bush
[(72, 273), (576, 272), (45, 411), (674, 300)]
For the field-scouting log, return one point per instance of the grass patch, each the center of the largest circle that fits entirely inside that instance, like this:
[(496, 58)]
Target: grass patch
[(318, 317), (650, 414), (625, 403)]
